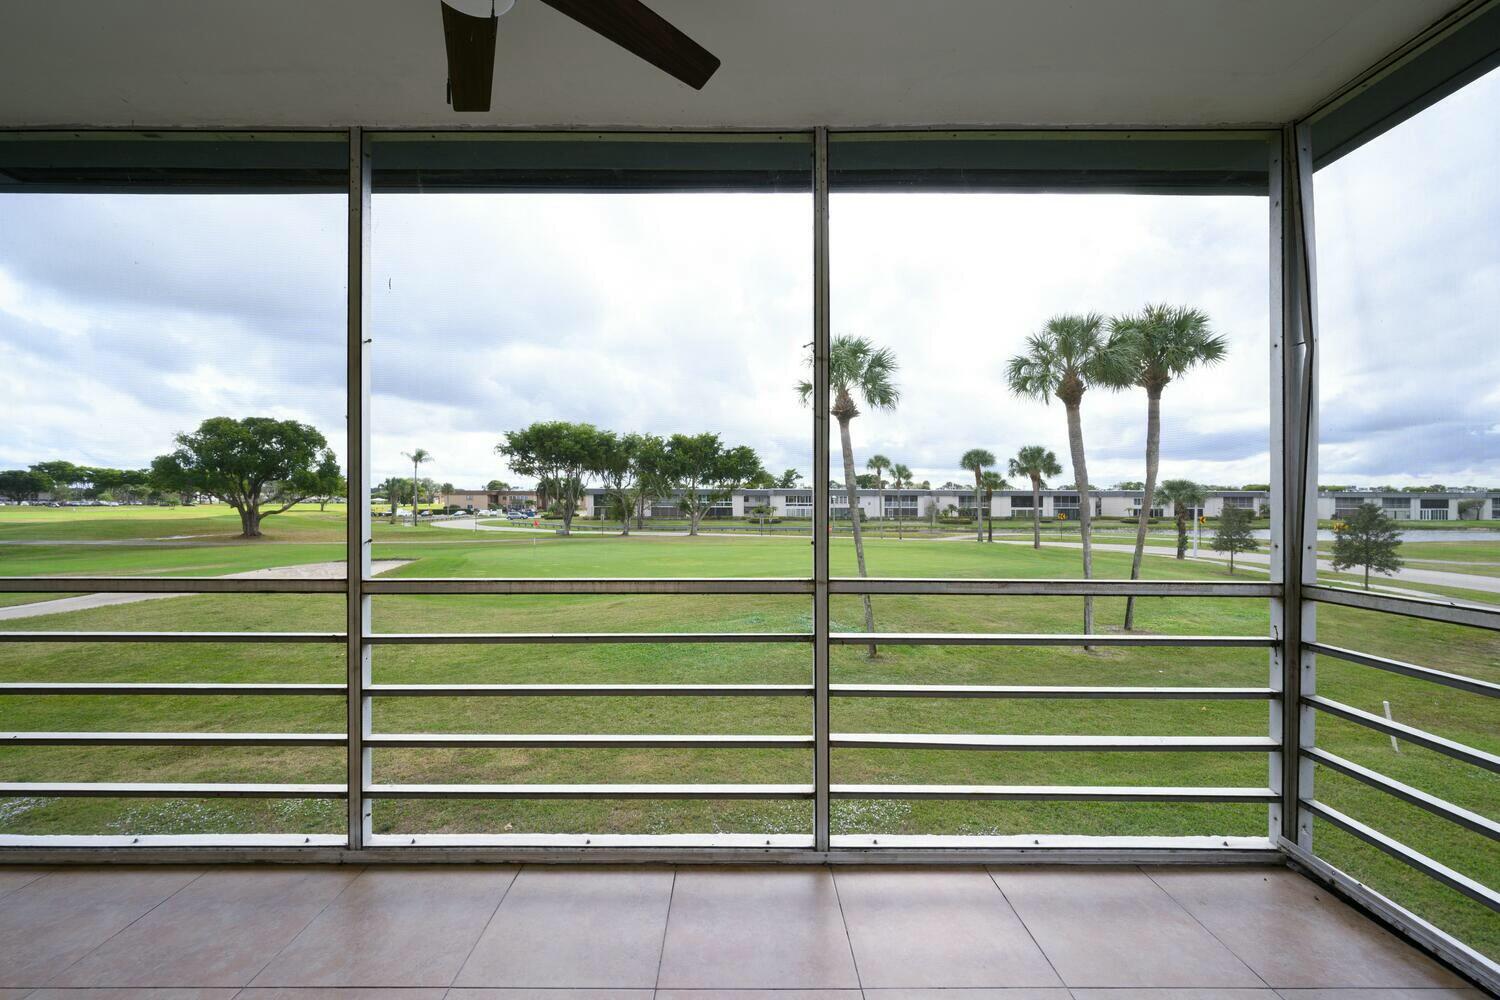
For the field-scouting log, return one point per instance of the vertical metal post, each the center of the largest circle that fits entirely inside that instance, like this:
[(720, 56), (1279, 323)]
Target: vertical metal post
[(1295, 531), (821, 512), (357, 527)]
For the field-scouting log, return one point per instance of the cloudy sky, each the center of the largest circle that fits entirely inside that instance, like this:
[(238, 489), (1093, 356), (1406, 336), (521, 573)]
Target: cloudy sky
[(124, 319)]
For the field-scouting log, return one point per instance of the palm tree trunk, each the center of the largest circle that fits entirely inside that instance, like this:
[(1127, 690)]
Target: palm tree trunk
[(978, 521), (414, 494), (1085, 507), (1036, 512), (850, 488), (1153, 459), (1181, 529)]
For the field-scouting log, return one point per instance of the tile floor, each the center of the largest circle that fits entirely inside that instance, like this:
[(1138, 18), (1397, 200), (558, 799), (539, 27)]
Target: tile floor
[(660, 933)]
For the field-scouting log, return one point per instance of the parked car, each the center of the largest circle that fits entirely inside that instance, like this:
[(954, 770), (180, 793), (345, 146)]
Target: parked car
[(515, 515)]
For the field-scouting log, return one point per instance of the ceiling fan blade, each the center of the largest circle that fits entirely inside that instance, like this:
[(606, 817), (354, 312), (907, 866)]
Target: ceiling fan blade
[(635, 27), (470, 42)]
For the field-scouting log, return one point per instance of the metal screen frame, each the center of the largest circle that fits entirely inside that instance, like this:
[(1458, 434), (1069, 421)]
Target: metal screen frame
[(1290, 693)]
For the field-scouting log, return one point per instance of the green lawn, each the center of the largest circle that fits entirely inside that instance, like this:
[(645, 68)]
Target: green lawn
[(308, 536)]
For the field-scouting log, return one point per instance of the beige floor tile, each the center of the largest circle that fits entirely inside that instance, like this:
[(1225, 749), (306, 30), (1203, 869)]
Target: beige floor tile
[(342, 993), (1210, 993), (576, 927), (394, 927), (136, 993), (15, 876), (1115, 927), (52, 922), (758, 995), (1296, 934), (219, 931), (947, 927), (964, 993), (1364, 993), (481, 993), (756, 928)]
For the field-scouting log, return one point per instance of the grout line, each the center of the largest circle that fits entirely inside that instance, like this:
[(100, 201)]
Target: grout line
[(480, 936), (1022, 921), (129, 925), (1205, 927), (277, 953), (661, 953), (858, 980)]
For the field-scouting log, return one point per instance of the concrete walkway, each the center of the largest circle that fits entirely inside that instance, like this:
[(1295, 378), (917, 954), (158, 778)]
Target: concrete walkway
[(86, 602)]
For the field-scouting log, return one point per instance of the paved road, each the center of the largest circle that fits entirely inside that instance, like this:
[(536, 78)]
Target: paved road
[(1431, 577), (85, 602)]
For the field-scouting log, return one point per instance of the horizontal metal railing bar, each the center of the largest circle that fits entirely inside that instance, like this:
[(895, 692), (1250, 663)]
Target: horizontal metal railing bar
[(1452, 612), (101, 739), (89, 687), (586, 690), (1048, 588), (587, 741), (1422, 738), (1051, 691), (1463, 683), (1476, 891), (1415, 796), (961, 741), (241, 637), (524, 791), (1044, 639), (594, 585), (1054, 793), (581, 638), (170, 585), (135, 790)]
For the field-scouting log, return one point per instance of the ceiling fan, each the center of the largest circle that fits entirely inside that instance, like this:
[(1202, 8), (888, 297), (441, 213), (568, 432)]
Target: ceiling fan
[(630, 24)]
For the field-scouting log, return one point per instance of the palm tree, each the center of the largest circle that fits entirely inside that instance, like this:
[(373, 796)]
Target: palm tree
[(878, 464), (1164, 342), (992, 481), (856, 368), (1036, 463), (1068, 356), (975, 459), (417, 458), (901, 479), (1184, 495)]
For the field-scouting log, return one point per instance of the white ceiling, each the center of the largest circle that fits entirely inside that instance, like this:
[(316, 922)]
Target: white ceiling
[(787, 63)]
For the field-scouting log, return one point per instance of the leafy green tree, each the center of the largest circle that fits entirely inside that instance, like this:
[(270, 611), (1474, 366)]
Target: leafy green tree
[(1037, 463), (788, 480), (23, 484), (1130, 484), (975, 460), (1235, 533), (1068, 357), (707, 472), (992, 481), (1369, 540), (331, 482), (496, 486), (631, 471), (260, 466), (1163, 343), (878, 466), (561, 455), (857, 369), (1184, 495)]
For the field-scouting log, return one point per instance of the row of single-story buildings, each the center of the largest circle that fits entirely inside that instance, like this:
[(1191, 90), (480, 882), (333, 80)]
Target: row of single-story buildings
[(1058, 504)]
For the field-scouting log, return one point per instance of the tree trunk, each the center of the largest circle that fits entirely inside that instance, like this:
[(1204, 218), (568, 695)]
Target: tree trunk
[(1085, 507), (640, 512), (978, 520), (250, 522), (624, 514), (1367, 576), (414, 494), (989, 517), (1181, 530), (851, 489), (1153, 459), (1036, 512)]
